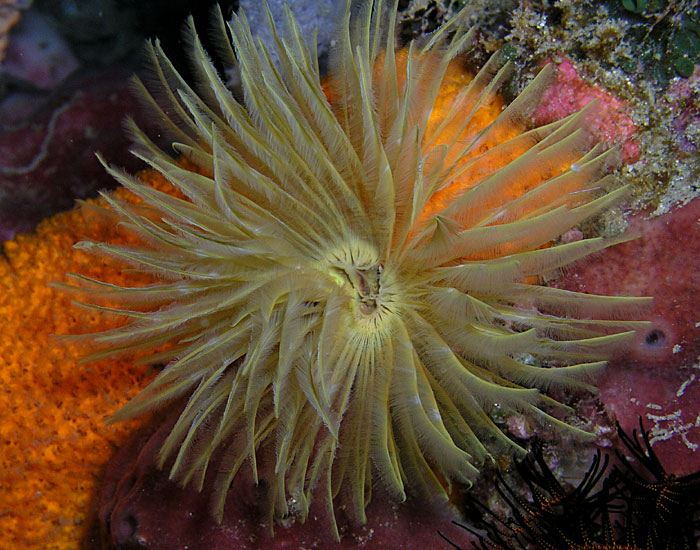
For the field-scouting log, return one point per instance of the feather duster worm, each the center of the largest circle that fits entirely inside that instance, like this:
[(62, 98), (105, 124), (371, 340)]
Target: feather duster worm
[(348, 284)]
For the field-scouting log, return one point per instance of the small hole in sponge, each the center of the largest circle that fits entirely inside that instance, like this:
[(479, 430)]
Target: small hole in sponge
[(124, 531), (655, 338), (132, 524)]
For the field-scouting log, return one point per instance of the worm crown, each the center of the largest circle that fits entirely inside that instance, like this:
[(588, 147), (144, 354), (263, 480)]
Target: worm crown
[(347, 272)]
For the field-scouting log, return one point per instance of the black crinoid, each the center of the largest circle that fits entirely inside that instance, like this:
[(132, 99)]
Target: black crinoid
[(663, 508), (638, 506)]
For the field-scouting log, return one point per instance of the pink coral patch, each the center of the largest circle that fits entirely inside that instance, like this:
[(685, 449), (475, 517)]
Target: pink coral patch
[(569, 93)]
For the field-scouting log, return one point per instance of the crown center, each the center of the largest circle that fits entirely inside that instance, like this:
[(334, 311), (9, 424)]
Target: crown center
[(366, 281)]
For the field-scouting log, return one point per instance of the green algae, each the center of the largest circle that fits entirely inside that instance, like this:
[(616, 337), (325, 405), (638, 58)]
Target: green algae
[(665, 35)]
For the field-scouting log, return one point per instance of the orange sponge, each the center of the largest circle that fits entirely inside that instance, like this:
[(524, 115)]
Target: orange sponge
[(53, 436)]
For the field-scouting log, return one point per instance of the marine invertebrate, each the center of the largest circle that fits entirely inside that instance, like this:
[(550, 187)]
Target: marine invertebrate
[(653, 510), (138, 506), (569, 93), (53, 440), (657, 378), (664, 507), (555, 517), (348, 286)]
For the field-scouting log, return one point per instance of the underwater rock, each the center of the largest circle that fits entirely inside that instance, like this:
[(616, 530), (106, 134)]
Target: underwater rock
[(37, 54), (683, 99), (49, 160), (320, 16), (10, 14)]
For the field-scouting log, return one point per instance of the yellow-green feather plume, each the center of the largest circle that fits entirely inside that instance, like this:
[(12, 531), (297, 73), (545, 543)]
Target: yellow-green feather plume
[(317, 312)]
